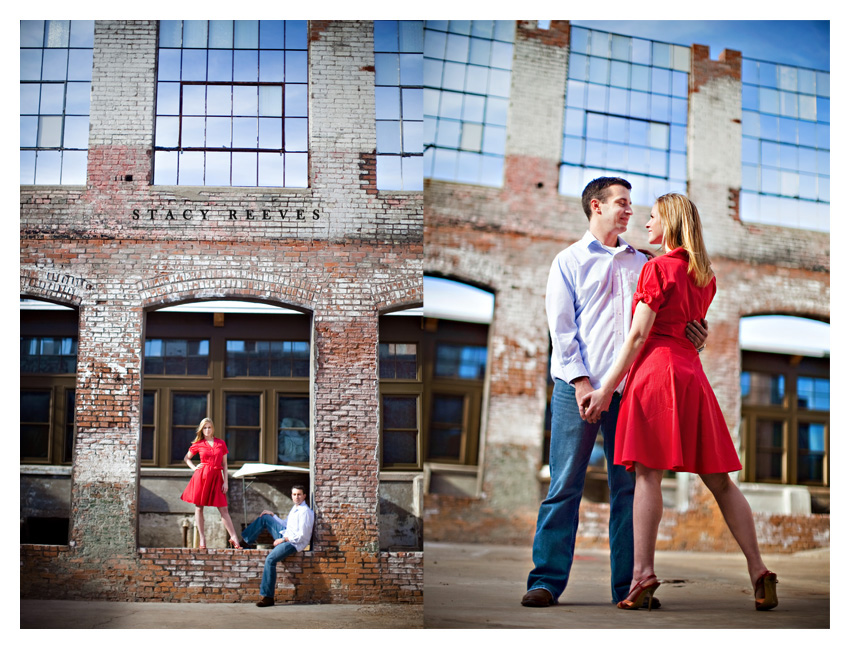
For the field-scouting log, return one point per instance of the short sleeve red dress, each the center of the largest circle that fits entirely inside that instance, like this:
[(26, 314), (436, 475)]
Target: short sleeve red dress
[(669, 416), (204, 489)]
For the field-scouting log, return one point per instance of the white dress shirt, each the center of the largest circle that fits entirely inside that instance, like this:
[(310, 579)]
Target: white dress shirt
[(299, 526), (589, 307)]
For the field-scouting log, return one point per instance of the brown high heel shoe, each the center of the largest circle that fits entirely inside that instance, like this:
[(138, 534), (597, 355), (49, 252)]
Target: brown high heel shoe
[(640, 592), (768, 581)]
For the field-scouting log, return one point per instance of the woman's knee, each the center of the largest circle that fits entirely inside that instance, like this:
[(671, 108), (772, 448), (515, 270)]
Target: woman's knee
[(716, 482)]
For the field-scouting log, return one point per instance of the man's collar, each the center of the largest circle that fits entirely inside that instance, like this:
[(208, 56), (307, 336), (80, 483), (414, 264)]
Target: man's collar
[(588, 240)]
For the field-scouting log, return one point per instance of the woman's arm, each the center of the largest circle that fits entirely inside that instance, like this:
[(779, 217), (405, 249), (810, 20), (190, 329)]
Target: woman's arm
[(224, 473), (188, 460), (598, 401)]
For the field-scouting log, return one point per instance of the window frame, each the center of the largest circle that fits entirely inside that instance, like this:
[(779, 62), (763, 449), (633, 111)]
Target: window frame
[(792, 367)]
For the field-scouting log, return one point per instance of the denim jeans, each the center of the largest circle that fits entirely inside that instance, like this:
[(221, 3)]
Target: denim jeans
[(278, 553), (557, 522)]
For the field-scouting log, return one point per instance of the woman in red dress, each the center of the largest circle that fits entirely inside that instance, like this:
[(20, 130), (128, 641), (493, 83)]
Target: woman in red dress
[(208, 485), (669, 416)]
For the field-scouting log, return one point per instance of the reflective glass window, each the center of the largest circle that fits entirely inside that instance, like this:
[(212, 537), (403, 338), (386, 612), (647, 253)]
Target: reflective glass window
[(55, 90), (626, 113), (232, 86), (787, 109), (468, 75)]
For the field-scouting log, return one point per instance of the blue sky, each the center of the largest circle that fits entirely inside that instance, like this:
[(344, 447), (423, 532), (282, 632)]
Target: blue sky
[(803, 43)]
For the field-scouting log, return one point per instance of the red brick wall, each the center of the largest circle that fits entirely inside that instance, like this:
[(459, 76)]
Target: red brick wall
[(187, 575)]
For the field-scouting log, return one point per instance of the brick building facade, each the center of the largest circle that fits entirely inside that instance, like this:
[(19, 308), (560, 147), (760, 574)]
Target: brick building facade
[(120, 247), (504, 238)]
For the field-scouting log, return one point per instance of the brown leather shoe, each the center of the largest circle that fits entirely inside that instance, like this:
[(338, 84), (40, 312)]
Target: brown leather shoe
[(538, 597), (266, 601)]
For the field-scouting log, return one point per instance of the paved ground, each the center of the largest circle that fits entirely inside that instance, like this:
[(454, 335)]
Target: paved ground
[(480, 586), (66, 614)]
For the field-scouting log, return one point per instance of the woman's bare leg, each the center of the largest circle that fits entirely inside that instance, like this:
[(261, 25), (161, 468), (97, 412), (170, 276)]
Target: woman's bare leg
[(199, 523), (648, 508), (228, 523), (739, 518)]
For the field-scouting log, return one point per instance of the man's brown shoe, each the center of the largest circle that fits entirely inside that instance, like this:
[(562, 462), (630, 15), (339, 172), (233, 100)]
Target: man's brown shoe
[(266, 601), (538, 597)]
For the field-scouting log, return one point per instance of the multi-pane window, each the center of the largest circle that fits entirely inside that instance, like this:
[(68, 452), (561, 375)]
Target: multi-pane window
[(187, 410), (55, 95), (35, 424), (231, 107), (293, 434), (48, 355), (785, 148), (397, 361), (467, 88), (400, 429), (460, 361), (785, 419), (177, 356), (398, 103), (254, 387), (242, 416), (267, 358), (626, 114)]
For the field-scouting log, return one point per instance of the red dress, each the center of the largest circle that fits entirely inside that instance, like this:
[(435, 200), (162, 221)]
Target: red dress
[(204, 489), (669, 416)]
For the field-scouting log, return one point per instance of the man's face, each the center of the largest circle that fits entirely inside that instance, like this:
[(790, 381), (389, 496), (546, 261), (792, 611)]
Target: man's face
[(298, 496), (612, 215)]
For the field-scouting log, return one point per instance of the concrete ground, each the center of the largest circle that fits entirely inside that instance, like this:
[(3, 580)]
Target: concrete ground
[(67, 614), (480, 586)]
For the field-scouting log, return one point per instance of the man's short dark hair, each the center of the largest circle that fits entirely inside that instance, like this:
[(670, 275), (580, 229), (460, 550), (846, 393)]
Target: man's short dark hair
[(301, 487), (598, 189)]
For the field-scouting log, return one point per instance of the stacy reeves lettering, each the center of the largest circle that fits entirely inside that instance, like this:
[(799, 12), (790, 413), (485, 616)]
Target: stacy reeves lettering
[(229, 215)]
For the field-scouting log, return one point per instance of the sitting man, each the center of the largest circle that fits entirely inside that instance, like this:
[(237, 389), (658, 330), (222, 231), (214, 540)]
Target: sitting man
[(291, 536)]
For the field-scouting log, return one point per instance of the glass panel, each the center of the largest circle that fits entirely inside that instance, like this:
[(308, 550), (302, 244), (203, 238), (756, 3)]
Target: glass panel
[(447, 426), (460, 361), (70, 409), (761, 388), (293, 442), (769, 449), (813, 393), (242, 432), (397, 361), (400, 429), (187, 411), (35, 423), (148, 425), (811, 451)]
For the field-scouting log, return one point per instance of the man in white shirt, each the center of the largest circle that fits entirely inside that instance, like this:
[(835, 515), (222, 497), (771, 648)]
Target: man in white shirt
[(291, 536), (588, 306)]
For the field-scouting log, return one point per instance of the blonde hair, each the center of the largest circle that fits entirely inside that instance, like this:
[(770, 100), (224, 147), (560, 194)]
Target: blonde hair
[(199, 433), (683, 229)]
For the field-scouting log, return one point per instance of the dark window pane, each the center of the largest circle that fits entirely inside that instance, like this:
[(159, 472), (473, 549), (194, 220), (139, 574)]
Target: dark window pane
[(35, 424), (187, 410), (148, 428), (243, 410), (399, 447), (68, 446), (446, 432), (400, 412)]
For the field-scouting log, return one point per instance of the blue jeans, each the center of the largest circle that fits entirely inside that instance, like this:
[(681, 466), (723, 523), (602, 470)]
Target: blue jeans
[(557, 522), (278, 553)]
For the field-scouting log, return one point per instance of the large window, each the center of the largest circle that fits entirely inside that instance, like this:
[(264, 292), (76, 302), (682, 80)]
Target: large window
[(467, 88), (55, 95), (785, 148), (785, 418), (48, 366), (626, 113), (248, 372), (398, 103), (231, 107)]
